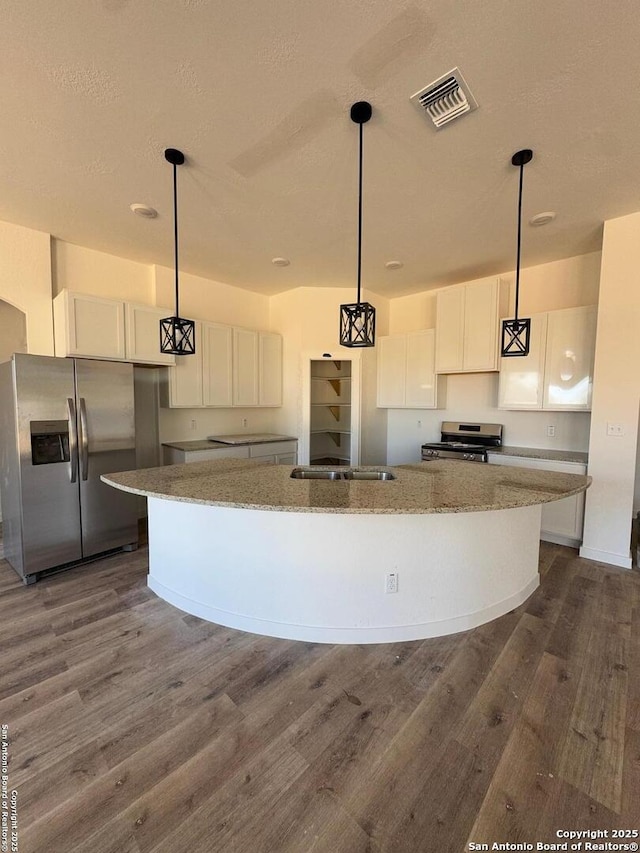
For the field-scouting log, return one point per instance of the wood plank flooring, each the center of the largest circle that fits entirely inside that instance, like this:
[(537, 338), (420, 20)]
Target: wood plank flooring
[(134, 728)]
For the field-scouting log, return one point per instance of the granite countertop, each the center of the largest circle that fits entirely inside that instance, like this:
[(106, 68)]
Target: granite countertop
[(542, 453), (207, 444), (425, 487)]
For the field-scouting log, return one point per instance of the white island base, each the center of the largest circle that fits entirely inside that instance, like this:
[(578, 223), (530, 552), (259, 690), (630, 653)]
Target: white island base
[(321, 577)]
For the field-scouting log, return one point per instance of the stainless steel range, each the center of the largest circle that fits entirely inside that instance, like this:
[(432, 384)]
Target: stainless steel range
[(465, 441)]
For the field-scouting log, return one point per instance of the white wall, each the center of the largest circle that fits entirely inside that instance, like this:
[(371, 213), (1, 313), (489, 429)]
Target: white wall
[(616, 397), (309, 321), (205, 299), (13, 331), (88, 271), (25, 282), (567, 283)]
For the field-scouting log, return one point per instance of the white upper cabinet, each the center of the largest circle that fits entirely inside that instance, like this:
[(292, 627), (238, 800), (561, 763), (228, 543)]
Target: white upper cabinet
[(231, 367), (467, 318), (568, 371), (449, 329), (245, 367), (217, 363), (392, 359), (142, 334), (406, 375), (270, 369), (88, 326), (185, 378), (557, 374), (93, 327), (522, 377)]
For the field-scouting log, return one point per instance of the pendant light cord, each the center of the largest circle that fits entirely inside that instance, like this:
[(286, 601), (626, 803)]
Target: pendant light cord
[(519, 240), (175, 230), (360, 215)]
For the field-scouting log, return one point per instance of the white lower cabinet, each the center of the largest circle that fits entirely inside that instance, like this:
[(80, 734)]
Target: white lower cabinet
[(562, 521), (280, 452), (174, 456), (406, 371)]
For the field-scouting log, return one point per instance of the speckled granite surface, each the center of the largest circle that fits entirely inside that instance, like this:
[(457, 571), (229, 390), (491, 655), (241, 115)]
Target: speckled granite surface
[(542, 453), (426, 487), (206, 444)]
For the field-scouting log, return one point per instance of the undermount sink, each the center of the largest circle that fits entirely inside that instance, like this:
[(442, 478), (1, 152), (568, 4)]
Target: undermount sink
[(369, 475), (351, 474), (306, 474)]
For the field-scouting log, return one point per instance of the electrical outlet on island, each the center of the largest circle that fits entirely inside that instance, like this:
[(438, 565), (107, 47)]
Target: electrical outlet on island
[(244, 423), (551, 431)]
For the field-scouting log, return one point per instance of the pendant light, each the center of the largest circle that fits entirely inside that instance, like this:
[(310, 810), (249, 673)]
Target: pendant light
[(358, 320), (177, 335), (516, 333)]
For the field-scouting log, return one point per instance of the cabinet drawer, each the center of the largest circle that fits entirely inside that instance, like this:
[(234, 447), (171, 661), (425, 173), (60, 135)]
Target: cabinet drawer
[(272, 448), (220, 453)]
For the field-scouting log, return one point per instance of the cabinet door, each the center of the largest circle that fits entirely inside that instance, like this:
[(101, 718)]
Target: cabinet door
[(421, 377), (270, 369), (522, 377), (245, 368), (142, 328), (392, 357), (480, 340), (568, 377), (94, 326), (185, 378), (217, 350), (561, 520), (450, 312)]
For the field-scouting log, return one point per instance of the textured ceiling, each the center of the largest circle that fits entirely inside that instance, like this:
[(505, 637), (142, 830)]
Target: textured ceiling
[(258, 95)]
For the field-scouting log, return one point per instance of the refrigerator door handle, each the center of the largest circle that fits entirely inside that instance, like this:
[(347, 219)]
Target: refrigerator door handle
[(84, 441), (73, 440)]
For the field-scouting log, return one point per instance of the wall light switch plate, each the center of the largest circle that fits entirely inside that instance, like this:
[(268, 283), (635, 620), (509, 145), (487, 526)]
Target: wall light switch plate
[(615, 429)]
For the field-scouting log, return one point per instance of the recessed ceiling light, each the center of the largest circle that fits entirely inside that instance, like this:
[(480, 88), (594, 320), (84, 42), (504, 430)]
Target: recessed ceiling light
[(542, 218), (280, 262), (143, 210), (394, 265)]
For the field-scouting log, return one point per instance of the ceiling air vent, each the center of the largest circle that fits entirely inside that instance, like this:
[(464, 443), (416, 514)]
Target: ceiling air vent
[(446, 99)]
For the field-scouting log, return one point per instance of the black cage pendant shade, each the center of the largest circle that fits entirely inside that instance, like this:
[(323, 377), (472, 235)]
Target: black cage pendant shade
[(177, 335), (358, 319), (516, 333)]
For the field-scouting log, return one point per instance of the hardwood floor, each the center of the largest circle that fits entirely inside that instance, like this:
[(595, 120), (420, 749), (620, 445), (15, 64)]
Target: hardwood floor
[(134, 728)]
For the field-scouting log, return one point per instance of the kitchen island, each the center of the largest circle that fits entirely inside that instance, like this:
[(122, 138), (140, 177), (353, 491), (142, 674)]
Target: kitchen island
[(240, 543)]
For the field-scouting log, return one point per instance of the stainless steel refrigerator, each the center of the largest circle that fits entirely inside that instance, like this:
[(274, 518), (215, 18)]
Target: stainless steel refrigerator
[(63, 423)]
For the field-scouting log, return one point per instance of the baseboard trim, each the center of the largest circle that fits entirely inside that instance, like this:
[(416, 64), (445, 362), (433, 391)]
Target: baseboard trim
[(606, 557)]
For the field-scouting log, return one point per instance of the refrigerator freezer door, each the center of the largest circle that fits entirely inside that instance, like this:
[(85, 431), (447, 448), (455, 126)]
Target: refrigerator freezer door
[(106, 439), (50, 501)]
